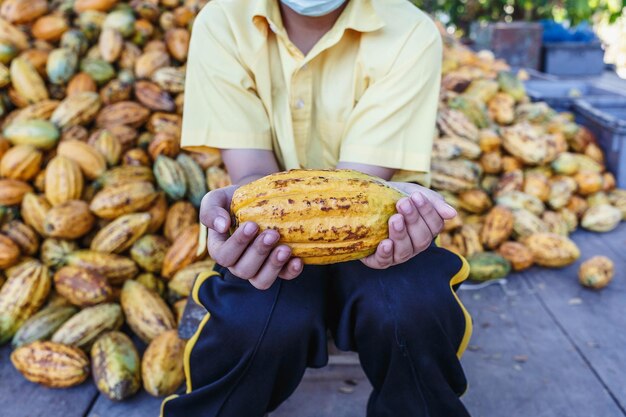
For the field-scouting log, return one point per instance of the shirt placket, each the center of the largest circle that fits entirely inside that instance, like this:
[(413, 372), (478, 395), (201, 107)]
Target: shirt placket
[(301, 103)]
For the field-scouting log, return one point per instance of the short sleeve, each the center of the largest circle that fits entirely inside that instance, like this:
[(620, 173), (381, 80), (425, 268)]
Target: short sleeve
[(222, 109), (393, 124)]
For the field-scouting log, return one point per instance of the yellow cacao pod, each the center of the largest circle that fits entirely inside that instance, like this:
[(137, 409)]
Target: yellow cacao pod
[(108, 145), (182, 282), (146, 312), (154, 97), (81, 82), (43, 324), (157, 211), (180, 216), (51, 364), (77, 109), (38, 133), (551, 250), (91, 162), (116, 268), (497, 228), (23, 293), (164, 144), (116, 366), (127, 113), (149, 251), (115, 201), (27, 82), (177, 40), (12, 192), (126, 174), (121, 233), (22, 235), (148, 62), (152, 282), (21, 162), (64, 180), (601, 218), (110, 44), (216, 178), (588, 182), (13, 35), (162, 364), (83, 328), (54, 252), (34, 209), (184, 251), (69, 220), (49, 28), (82, 287), (596, 272), (517, 254), (467, 240), (23, 11), (9, 252), (475, 201), (324, 216)]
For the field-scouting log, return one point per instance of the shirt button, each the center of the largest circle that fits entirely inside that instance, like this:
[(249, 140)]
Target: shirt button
[(299, 104)]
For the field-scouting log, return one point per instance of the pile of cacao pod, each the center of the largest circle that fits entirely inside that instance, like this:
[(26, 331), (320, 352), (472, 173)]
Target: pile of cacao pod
[(98, 204), (522, 176)]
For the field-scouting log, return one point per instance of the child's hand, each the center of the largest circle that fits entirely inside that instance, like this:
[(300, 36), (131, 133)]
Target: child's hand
[(246, 255), (419, 219)]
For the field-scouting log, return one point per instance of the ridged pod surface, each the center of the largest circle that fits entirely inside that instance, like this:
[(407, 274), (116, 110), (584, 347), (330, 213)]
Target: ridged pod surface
[(146, 313), (601, 218), (81, 286), (126, 174), (324, 216), (182, 282), (596, 272), (9, 252), (116, 268), (180, 216), (485, 266), (117, 200), (82, 329), (162, 364), (497, 228), (22, 235), (21, 296), (551, 250), (517, 254), (42, 325), (21, 162), (69, 220), (27, 81), (91, 162), (196, 180), (149, 251), (121, 233), (39, 133), (116, 366), (184, 251), (12, 191), (170, 176), (51, 364), (64, 180)]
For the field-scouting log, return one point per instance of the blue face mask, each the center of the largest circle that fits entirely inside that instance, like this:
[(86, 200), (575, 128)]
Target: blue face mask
[(313, 8)]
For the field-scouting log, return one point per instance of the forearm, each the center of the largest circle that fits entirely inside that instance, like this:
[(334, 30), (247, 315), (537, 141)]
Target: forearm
[(381, 172), (247, 165)]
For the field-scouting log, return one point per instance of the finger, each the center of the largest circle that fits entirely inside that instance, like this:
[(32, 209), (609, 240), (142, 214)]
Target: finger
[(214, 212), (445, 210), (382, 258), (255, 255), (417, 229), (431, 217), (226, 251), (402, 246), (271, 268), (292, 269)]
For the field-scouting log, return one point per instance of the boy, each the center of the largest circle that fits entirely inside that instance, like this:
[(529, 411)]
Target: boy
[(281, 84)]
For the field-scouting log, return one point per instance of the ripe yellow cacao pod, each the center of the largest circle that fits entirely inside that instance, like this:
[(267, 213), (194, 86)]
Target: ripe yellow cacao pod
[(526, 223), (82, 287), (51, 364), (177, 40), (22, 235), (551, 250), (77, 109), (121, 233), (146, 312), (596, 272), (128, 113), (182, 282), (324, 216), (517, 254), (116, 268), (216, 178), (555, 223), (9, 252), (537, 185), (149, 252), (23, 293), (34, 209), (601, 218), (91, 162), (164, 144), (157, 211), (13, 35), (184, 251), (180, 216), (126, 174), (497, 227), (152, 282), (588, 182), (21, 162), (64, 180), (69, 220), (23, 11), (116, 366), (516, 200), (12, 191), (475, 201), (83, 328), (55, 251), (114, 201), (148, 62), (162, 364), (27, 82)]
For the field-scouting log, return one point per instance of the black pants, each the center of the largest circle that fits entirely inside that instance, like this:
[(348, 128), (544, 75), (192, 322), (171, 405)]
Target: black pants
[(406, 323)]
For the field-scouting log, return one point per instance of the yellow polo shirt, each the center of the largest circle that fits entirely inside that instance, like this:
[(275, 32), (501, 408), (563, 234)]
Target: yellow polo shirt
[(367, 92)]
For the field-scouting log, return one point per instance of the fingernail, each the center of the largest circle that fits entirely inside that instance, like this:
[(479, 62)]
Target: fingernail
[(249, 229), (270, 238), (387, 247), (405, 206), (282, 255), (296, 265), (398, 224), (219, 224), (451, 210), (418, 199)]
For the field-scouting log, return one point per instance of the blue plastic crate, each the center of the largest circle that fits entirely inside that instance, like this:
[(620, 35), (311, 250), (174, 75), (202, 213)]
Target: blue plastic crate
[(562, 94), (573, 58), (606, 118)]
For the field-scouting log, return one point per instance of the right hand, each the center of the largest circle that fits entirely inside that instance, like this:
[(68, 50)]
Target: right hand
[(256, 258)]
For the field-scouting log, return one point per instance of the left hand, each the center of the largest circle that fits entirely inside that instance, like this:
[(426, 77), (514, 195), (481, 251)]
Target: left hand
[(419, 219)]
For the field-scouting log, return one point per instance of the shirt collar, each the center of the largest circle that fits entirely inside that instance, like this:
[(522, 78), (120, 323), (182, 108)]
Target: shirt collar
[(359, 15)]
